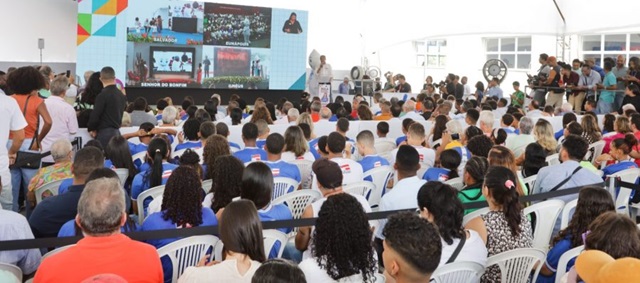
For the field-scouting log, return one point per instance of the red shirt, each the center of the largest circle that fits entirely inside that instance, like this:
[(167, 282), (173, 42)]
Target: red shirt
[(116, 254), (315, 117)]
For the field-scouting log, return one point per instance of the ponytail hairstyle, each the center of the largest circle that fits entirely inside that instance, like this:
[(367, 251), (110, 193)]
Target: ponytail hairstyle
[(625, 144), (501, 186), (477, 167), (450, 159), (157, 152), (499, 136)]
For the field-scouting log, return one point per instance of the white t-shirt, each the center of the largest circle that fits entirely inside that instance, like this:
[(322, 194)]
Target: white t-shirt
[(473, 250), (289, 156), (12, 120), (226, 271), (427, 156), (315, 274), (404, 195)]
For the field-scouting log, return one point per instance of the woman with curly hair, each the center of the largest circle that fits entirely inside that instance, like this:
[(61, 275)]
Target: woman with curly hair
[(439, 204), (295, 145), (342, 243), (592, 201), (216, 146), (192, 159), (261, 113), (227, 183), (615, 234), (181, 208)]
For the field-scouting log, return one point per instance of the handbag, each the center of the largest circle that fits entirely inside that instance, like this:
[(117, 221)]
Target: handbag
[(28, 159)]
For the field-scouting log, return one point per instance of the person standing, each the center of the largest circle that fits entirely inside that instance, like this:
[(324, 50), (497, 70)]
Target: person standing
[(467, 88), (159, 24), (554, 92), (543, 73), (63, 116), (325, 72), (620, 71), (207, 64), (106, 116), (25, 83), (607, 96), (12, 124)]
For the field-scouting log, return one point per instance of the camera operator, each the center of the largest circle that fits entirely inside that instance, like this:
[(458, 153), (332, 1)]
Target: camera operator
[(448, 87), (403, 86), (554, 91), (543, 73)]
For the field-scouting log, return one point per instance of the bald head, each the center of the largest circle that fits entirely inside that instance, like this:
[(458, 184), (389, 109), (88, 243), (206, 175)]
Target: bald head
[(409, 106), (325, 113)]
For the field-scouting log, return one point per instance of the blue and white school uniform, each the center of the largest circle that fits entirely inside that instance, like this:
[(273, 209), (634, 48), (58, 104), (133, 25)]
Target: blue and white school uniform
[(372, 161), (141, 182), (275, 212), (189, 144), (249, 154), (436, 174)]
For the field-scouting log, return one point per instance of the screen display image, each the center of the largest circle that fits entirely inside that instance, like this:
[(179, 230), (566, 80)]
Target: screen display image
[(232, 25), (194, 44), (165, 21)]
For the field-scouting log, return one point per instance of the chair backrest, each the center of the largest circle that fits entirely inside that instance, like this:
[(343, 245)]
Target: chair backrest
[(206, 185), (553, 159), (140, 156), (16, 271), (57, 250), (298, 201), (516, 265), (458, 272), (595, 150), (187, 252), (569, 207), (435, 144), (52, 187), (384, 148), (474, 214), (421, 171), (379, 177), (530, 182), (520, 150), (622, 199), (305, 172), (282, 186), (564, 260), (271, 237), (363, 188), (546, 213), (379, 278), (149, 193), (456, 183), (123, 174)]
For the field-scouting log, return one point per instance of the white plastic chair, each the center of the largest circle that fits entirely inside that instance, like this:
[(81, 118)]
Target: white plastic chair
[(420, 173), (149, 193), (566, 213), (595, 150), (384, 148), (546, 213), (435, 144), (187, 252), (474, 214), (530, 182), (282, 186), (123, 174), (458, 272), (379, 177), (553, 159), (16, 271), (298, 201), (564, 260), (622, 200), (305, 172), (51, 187), (456, 183), (140, 156), (360, 188), (379, 278), (271, 237), (57, 250), (516, 265), (206, 185)]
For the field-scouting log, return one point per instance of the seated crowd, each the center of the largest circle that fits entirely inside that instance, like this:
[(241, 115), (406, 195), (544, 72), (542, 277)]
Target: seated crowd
[(181, 171)]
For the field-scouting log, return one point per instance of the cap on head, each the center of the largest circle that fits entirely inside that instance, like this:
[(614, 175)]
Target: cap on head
[(328, 173)]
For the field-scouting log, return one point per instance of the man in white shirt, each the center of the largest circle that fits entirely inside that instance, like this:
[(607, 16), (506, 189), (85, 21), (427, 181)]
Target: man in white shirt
[(12, 123), (518, 143), (284, 118), (533, 110), (409, 109), (325, 72), (14, 226), (351, 170), (415, 138), (323, 126), (467, 88), (329, 179), (404, 194)]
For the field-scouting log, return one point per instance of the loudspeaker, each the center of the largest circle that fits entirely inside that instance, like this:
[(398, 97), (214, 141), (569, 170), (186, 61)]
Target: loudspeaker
[(40, 43)]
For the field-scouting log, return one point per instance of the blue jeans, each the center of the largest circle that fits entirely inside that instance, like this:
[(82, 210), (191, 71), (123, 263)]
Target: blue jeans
[(617, 103), (604, 107), (20, 178)]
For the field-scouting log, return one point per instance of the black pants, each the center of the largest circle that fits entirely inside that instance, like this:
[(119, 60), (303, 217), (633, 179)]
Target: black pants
[(105, 135)]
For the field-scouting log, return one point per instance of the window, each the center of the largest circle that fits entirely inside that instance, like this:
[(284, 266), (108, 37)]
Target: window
[(514, 51), (431, 53), (602, 46)]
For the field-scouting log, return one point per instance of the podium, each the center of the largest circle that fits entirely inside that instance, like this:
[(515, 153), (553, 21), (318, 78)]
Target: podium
[(324, 92)]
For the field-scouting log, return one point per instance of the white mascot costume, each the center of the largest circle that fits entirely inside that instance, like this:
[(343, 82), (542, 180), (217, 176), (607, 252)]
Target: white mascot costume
[(312, 82)]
